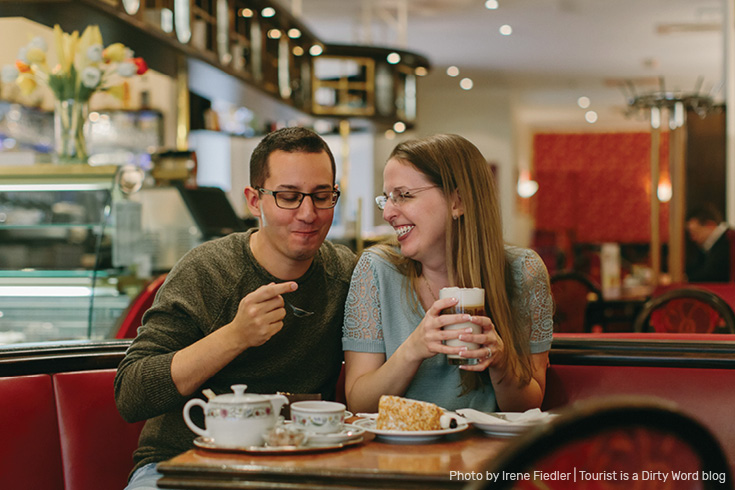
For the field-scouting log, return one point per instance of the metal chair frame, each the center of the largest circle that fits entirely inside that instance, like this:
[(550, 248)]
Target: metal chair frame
[(570, 275), (708, 297), (589, 418)]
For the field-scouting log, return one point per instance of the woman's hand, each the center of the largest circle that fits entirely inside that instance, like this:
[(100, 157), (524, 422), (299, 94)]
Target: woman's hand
[(491, 350), (428, 337)]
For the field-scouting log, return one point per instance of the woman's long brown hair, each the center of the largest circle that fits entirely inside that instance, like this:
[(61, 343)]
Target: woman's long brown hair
[(475, 247)]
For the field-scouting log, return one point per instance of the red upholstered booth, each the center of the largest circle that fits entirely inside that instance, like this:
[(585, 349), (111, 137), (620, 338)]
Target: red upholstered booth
[(692, 370), (30, 454), (93, 428)]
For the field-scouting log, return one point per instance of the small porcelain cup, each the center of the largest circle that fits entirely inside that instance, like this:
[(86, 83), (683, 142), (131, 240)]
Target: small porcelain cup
[(322, 417), (472, 302), (236, 419)]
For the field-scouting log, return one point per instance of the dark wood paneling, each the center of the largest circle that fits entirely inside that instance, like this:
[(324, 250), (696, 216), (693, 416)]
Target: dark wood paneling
[(705, 160)]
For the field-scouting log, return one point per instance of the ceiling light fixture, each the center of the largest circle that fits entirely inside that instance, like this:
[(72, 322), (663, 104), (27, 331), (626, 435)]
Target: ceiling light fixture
[(247, 13), (421, 71), (268, 12), (393, 58), (274, 34), (452, 71), (297, 51), (583, 102), (294, 33), (316, 50), (491, 4), (466, 83), (399, 127), (506, 30), (590, 117)]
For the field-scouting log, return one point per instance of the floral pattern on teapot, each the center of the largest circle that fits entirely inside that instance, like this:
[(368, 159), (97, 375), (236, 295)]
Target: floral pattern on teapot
[(240, 412)]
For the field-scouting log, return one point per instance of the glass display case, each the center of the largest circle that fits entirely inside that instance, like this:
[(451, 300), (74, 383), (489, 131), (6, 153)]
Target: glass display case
[(57, 278)]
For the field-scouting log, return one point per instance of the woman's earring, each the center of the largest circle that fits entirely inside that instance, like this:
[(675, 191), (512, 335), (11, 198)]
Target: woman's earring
[(455, 217)]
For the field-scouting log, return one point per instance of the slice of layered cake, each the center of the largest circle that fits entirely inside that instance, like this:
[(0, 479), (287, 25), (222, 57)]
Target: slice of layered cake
[(398, 413)]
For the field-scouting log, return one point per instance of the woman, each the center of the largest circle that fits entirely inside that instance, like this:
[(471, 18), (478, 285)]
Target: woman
[(441, 200)]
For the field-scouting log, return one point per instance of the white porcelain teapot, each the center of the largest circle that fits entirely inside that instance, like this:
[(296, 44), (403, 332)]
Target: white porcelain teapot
[(236, 419)]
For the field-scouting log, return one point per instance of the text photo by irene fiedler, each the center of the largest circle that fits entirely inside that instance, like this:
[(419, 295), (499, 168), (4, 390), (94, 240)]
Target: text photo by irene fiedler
[(578, 475)]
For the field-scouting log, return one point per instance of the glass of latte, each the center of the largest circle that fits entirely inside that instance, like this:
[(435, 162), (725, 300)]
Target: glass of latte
[(471, 302)]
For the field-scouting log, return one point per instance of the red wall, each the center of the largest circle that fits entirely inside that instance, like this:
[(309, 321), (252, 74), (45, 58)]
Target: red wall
[(597, 186)]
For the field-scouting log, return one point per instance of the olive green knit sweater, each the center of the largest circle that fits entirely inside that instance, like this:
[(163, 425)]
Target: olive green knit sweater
[(201, 294)]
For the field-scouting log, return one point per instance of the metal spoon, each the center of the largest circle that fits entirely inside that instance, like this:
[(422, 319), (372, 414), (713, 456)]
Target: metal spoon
[(298, 312)]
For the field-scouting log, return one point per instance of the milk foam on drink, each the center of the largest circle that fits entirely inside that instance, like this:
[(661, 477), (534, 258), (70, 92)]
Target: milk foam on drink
[(471, 302)]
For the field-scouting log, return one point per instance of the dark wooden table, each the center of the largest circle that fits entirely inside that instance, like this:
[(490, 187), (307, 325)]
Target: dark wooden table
[(371, 464), (617, 313)]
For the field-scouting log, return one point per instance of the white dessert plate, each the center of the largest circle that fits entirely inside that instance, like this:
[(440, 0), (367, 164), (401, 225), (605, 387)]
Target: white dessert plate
[(348, 433), (208, 443), (408, 436), (505, 424)]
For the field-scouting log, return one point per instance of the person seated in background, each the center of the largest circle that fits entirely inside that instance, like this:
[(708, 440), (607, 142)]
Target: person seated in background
[(441, 199), (711, 263), (220, 318)]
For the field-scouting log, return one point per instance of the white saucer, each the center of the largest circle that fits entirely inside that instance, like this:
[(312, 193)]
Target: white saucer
[(209, 444), (504, 424), (348, 433), (408, 436)]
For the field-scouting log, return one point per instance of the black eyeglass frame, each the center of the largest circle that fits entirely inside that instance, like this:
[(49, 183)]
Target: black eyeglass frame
[(334, 192)]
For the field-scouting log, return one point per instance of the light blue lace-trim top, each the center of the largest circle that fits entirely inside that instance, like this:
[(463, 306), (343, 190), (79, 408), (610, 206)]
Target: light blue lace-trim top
[(379, 318)]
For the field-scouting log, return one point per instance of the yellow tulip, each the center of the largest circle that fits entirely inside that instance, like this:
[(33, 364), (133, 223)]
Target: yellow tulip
[(70, 48), (96, 35), (90, 36), (35, 55), (66, 46), (85, 57), (27, 83), (59, 43), (114, 52)]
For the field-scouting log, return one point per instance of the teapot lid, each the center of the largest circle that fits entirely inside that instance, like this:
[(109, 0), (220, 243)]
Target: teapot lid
[(239, 396)]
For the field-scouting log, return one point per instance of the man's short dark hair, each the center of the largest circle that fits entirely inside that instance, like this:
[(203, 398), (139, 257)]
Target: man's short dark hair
[(290, 140), (704, 214)]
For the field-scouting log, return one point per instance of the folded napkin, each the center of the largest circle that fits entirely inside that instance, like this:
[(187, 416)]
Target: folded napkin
[(529, 417)]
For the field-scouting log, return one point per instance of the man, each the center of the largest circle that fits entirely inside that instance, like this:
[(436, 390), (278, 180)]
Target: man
[(220, 318), (712, 262)]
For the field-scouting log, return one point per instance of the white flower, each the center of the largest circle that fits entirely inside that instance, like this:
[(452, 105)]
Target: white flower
[(9, 74), (23, 54), (127, 69), (94, 53), (38, 42), (91, 77)]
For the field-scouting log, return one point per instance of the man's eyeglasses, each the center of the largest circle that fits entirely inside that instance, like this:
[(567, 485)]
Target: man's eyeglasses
[(398, 197), (293, 199)]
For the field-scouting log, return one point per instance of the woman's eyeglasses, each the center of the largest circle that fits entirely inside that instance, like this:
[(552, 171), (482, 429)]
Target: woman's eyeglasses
[(398, 197), (293, 199)]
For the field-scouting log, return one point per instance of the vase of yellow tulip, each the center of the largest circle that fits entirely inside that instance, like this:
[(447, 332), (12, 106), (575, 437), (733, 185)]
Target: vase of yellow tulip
[(70, 130), (84, 68)]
